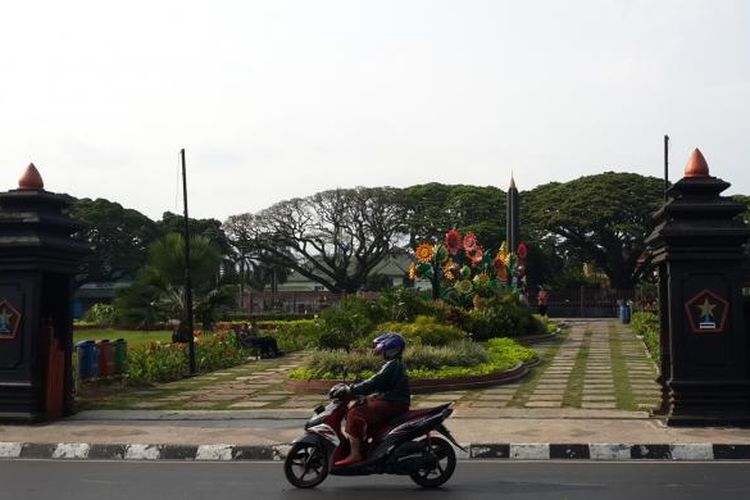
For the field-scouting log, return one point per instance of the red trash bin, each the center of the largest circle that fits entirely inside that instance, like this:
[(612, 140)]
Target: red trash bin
[(106, 358)]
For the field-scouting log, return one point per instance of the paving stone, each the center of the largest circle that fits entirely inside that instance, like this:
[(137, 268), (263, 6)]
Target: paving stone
[(272, 397), (148, 404), (486, 404), (598, 405), (542, 404), (496, 397), (249, 404), (200, 404)]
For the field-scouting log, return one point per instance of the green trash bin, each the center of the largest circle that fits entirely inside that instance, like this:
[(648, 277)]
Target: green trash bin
[(121, 357)]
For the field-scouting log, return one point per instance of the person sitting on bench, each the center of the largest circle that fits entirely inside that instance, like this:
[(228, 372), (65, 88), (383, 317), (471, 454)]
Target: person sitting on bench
[(249, 337)]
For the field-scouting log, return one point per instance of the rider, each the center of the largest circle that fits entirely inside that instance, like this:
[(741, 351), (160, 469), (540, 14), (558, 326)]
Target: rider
[(388, 395)]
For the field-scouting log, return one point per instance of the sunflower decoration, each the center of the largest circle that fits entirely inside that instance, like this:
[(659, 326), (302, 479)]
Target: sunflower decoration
[(450, 270), (453, 241), (424, 253), (502, 273), (463, 287), (481, 280), (475, 255), (502, 254), (470, 241)]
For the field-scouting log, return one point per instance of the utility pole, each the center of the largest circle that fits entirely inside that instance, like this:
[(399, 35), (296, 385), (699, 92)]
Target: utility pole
[(666, 165), (188, 281)]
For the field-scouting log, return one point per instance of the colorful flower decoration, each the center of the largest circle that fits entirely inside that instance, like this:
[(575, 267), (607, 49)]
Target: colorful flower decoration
[(470, 241), (463, 287), (475, 255), (441, 253), (481, 279), (522, 251), (424, 253), (462, 272), (453, 241)]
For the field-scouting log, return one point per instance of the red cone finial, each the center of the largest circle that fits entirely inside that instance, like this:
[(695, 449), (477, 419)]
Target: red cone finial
[(31, 180), (696, 165)]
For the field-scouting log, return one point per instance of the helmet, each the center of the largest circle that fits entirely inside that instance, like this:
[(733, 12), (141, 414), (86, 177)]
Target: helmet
[(390, 345)]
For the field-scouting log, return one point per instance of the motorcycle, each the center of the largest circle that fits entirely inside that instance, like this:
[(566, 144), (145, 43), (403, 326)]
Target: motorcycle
[(404, 446)]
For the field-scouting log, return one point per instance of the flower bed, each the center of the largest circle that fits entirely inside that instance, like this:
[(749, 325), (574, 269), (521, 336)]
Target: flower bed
[(162, 362), (431, 368)]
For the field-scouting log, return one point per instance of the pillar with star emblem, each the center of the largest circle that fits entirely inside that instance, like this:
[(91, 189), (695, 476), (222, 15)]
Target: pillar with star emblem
[(698, 248), (38, 259)]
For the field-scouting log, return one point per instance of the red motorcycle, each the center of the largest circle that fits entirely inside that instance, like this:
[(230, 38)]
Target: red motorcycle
[(404, 446)]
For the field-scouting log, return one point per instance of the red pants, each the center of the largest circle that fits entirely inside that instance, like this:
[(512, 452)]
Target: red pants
[(372, 414)]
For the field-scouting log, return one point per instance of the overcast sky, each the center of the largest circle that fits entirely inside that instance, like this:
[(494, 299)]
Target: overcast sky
[(279, 99)]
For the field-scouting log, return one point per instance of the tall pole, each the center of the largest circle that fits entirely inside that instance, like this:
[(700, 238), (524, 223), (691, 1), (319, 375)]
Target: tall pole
[(188, 281), (666, 166)]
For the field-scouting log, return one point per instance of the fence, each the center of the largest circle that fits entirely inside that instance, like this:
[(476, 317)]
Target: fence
[(587, 302)]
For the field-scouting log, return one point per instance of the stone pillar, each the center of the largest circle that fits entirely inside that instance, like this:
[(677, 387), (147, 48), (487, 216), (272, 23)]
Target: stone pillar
[(38, 259), (512, 217), (698, 247)]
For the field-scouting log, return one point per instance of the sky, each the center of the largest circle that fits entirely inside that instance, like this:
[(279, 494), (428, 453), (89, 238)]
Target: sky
[(280, 99)]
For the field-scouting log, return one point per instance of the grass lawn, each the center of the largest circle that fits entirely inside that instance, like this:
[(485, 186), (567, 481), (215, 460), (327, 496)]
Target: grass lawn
[(132, 337)]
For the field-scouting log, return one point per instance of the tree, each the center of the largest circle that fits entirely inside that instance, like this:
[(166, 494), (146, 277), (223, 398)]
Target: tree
[(599, 218), (209, 228), (335, 238), (118, 240), (158, 292), (433, 209)]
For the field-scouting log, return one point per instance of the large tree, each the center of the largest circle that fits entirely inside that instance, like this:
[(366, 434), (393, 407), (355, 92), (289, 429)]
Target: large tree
[(433, 209), (334, 238), (602, 219), (117, 237)]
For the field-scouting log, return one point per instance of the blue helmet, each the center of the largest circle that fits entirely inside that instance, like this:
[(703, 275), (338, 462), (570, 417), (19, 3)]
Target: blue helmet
[(390, 345)]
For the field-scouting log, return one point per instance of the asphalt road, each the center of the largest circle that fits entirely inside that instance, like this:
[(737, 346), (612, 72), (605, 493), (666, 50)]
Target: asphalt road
[(21, 480)]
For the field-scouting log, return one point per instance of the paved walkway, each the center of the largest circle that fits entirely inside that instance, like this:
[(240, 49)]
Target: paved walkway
[(598, 369)]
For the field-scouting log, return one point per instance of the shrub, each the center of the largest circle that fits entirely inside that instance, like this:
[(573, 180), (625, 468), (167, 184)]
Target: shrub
[(354, 318), (298, 335), (341, 363), (403, 304), (459, 359), (242, 317), (502, 316), (499, 348), (100, 314), (425, 330), (646, 325)]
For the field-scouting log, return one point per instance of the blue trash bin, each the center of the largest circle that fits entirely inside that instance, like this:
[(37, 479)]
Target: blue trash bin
[(88, 359)]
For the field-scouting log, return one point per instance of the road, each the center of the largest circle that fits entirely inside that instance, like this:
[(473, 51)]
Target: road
[(22, 480)]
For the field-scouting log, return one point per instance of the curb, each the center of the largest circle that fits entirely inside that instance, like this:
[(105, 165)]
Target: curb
[(490, 451)]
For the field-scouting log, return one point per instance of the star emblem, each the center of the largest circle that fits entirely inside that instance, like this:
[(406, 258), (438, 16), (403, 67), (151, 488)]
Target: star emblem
[(707, 308)]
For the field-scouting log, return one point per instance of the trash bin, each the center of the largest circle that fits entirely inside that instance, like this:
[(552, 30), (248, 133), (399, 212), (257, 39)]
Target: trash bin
[(106, 358), (121, 357), (88, 359)]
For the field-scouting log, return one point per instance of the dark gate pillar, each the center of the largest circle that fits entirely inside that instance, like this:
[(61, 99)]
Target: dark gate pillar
[(38, 259), (698, 246)]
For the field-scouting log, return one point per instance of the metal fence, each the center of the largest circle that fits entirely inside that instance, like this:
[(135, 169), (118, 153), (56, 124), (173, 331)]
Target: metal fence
[(587, 302)]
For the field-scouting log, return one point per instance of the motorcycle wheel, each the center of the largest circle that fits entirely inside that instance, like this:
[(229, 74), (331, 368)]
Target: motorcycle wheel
[(306, 465), (440, 463)]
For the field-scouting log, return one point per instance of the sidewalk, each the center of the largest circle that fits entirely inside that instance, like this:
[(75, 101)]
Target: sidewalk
[(259, 435), (589, 398)]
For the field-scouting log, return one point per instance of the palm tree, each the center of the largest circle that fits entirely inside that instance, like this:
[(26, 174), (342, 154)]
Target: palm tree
[(159, 289)]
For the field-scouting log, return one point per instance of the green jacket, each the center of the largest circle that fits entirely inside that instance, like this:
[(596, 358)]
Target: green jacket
[(391, 382)]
